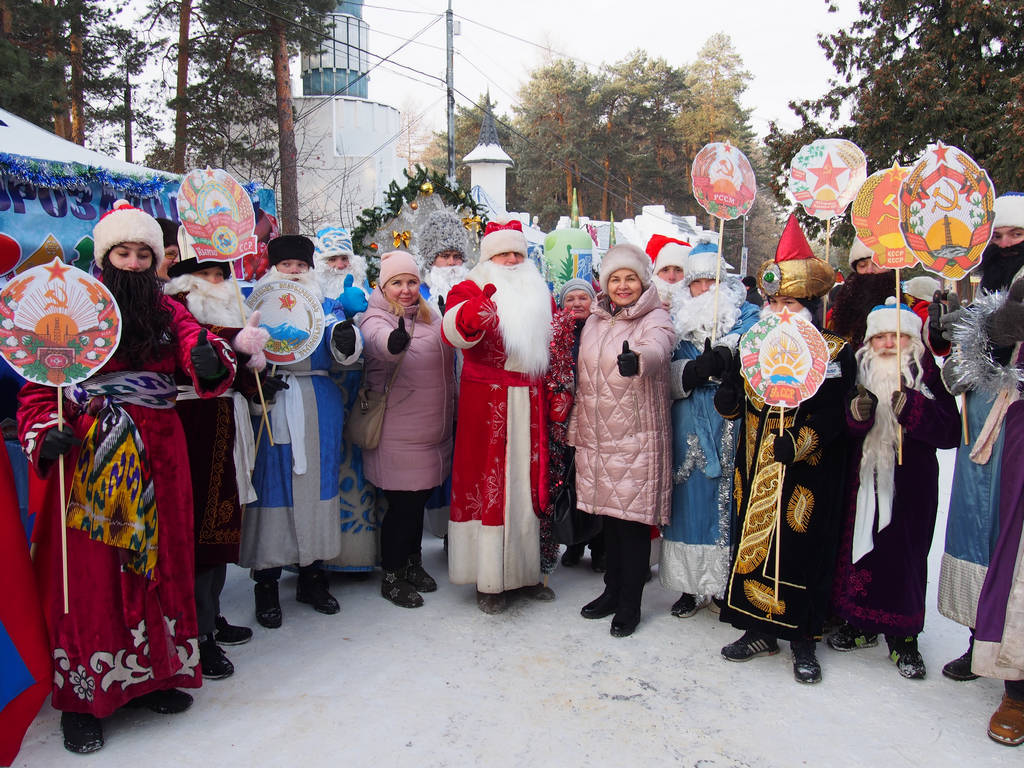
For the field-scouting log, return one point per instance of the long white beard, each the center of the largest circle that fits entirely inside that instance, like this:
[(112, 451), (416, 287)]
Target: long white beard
[(209, 303), (804, 312), (332, 280), (668, 292), (524, 313), (307, 280), (694, 317), (440, 280), (880, 375)]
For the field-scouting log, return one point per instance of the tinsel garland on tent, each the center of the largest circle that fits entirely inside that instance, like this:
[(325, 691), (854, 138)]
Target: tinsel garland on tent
[(71, 176), (393, 225)]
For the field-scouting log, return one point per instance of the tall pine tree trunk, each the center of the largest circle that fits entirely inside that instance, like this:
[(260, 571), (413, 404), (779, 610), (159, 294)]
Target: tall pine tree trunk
[(289, 210), (61, 123), (180, 113), (77, 91)]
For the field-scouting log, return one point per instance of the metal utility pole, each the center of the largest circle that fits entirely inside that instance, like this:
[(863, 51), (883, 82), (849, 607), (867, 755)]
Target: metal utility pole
[(450, 78)]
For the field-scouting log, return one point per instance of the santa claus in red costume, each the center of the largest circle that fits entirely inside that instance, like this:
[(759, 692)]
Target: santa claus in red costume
[(501, 318)]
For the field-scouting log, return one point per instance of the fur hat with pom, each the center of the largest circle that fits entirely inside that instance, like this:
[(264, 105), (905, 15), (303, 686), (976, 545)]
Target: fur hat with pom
[(442, 231), (124, 223)]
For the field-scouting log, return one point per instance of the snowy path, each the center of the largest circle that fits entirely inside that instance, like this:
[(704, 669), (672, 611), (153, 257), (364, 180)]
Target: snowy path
[(445, 685)]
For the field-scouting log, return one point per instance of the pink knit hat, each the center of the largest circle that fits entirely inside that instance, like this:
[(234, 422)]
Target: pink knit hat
[(396, 263)]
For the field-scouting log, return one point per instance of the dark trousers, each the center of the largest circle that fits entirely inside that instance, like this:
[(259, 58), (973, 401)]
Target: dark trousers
[(274, 574), (401, 530), (628, 550), (209, 583), (1015, 689)]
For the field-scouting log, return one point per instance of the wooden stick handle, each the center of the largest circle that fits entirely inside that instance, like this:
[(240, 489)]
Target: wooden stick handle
[(259, 386), (718, 279), (899, 366), (63, 502)]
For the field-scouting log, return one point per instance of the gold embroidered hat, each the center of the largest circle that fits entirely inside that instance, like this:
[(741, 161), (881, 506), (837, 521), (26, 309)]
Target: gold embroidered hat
[(796, 271)]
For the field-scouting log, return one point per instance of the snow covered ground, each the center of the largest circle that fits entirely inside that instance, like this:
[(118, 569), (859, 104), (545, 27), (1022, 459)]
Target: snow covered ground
[(446, 685)]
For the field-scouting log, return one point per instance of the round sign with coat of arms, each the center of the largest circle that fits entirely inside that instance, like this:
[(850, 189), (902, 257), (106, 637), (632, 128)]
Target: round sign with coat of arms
[(947, 209), (784, 359), (876, 216), (825, 176), (723, 181), (293, 317), (58, 325)]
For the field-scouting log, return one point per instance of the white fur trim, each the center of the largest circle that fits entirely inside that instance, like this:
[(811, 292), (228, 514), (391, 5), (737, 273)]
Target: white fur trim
[(451, 331), (126, 224), (884, 321), (1009, 211), (498, 558), (671, 255), (625, 256), (502, 241), (859, 251), (210, 303), (692, 315), (921, 287)]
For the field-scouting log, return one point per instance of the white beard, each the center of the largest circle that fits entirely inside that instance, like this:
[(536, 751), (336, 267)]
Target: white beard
[(307, 280), (209, 303), (694, 318), (524, 313), (440, 280), (804, 312), (669, 292), (880, 375), (332, 281)]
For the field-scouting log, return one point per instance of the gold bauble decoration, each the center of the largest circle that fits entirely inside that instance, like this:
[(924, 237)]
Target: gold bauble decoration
[(414, 205), (427, 188)]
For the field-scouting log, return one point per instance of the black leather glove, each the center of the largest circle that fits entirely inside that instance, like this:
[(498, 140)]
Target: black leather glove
[(942, 317), (1006, 324), (628, 361), (783, 448), (271, 386), (343, 337), (205, 361), (728, 398), (440, 303), (399, 338), (57, 442), (862, 404)]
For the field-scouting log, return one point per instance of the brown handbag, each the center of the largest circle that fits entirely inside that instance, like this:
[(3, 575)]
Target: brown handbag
[(366, 419)]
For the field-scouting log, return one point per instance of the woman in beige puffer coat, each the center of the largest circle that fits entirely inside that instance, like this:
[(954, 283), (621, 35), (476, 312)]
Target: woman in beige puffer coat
[(621, 427)]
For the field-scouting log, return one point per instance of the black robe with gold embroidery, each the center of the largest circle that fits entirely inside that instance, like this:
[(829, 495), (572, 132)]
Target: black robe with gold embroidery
[(781, 571)]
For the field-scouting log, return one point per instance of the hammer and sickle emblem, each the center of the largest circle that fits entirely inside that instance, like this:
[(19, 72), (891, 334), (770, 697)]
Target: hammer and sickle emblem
[(943, 201), (725, 167)]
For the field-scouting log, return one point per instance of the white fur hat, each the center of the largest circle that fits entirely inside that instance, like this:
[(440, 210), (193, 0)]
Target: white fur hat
[(625, 256), (124, 223), (502, 237), (882, 319), (1009, 209), (859, 251), (921, 287)]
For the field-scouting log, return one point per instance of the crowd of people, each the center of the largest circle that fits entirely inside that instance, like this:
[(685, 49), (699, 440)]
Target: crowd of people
[(809, 523)]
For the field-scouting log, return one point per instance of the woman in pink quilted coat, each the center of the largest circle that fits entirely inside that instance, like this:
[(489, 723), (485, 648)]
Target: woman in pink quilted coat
[(415, 450), (621, 428)]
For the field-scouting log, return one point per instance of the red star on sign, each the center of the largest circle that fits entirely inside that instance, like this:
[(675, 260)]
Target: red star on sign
[(940, 152), (288, 302), (827, 174), (57, 269)]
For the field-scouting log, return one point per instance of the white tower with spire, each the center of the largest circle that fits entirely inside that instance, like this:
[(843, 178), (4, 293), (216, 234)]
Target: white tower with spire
[(488, 163)]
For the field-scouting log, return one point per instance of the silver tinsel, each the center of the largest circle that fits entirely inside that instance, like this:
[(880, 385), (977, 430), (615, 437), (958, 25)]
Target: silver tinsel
[(694, 459), (970, 365)]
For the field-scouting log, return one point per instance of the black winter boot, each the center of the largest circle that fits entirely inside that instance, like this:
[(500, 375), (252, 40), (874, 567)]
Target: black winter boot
[(907, 658), (399, 591), (229, 634), (169, 701), (216, 666), (82, 732), (268, 605), (806, 668), (312, 590), (419, 578), (605, 605)]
